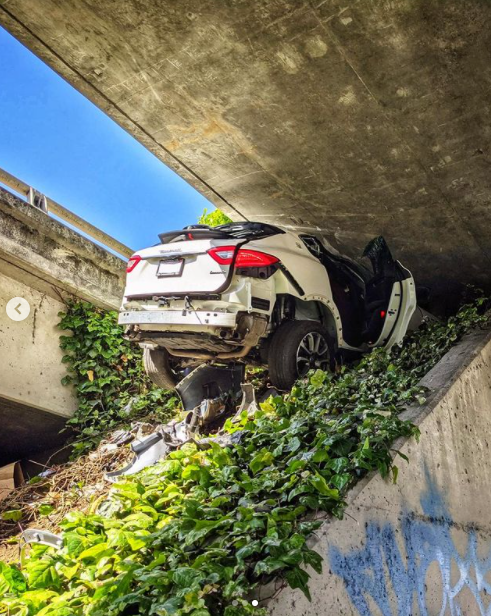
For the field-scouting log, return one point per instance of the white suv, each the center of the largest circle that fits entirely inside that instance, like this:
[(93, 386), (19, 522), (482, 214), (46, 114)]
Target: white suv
[(261, 294)]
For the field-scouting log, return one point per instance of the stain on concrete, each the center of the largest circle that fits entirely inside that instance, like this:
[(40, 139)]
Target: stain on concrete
[(315, 47), (348, 97), (290, 59), (34, 317)]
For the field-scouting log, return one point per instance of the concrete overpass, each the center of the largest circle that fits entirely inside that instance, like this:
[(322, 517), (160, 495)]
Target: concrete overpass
[(42, 261), (359, 118)]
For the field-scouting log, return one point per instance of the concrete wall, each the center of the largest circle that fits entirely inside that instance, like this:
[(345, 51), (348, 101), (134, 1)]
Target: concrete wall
[(423, 546), (42, 261), (30, 352)]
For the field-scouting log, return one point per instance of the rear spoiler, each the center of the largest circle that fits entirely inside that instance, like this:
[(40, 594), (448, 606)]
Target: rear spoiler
[(200, 233), (230, 230)]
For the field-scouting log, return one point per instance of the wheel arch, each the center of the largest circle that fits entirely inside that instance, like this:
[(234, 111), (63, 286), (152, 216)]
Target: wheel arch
[(315, 309), (311, 309)]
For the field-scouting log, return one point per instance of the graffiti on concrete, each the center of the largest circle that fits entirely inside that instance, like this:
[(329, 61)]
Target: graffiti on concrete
[(381, 569)]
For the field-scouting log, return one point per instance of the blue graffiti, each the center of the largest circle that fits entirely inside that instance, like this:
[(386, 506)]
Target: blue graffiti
[(379, 565)]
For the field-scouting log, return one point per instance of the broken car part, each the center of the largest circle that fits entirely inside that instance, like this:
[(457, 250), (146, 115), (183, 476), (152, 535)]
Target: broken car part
[(147, 452), (210, 382), (43, 537)]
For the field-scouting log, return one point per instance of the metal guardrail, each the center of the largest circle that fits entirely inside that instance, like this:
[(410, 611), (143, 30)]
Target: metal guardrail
[(47, 205)]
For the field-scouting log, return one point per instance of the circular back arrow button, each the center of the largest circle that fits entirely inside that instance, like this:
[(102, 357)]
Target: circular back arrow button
[(18, 309)]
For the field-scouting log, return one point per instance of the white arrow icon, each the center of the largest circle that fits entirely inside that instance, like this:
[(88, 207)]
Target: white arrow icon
[(18, 309)]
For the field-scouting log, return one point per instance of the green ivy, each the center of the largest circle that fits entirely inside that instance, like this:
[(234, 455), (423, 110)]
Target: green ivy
[(107, 373), (196, 533)]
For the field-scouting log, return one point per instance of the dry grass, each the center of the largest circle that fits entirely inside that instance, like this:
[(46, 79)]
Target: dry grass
[(73, 485)]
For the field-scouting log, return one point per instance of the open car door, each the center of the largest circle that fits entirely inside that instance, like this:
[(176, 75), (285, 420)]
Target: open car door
[(390, 297)]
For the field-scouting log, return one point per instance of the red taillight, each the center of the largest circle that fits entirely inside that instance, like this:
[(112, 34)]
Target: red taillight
[(254, 258), (382, 314), (245, 257), (132, 263)]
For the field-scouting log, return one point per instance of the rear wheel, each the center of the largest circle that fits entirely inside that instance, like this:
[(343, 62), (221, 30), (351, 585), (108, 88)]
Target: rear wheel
[(158, 368), (296, 348)]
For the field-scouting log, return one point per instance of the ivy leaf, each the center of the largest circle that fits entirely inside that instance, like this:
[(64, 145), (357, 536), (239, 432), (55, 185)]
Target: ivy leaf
[(11, 579), (320, 484), (318, 378), (185, 577), (395, 473), (94, 551), (261, 460), (297, 578), (45, 509), (75, 543), (136, 543), (13, 515), (312, 558), (42, 574)]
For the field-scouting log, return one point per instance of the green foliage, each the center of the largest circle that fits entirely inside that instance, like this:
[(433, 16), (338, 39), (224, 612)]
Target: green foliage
[(107, 373), (194, 534), (214, 218)]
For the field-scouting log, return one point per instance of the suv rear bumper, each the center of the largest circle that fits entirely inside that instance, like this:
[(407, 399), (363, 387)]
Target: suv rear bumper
[(178, 317)]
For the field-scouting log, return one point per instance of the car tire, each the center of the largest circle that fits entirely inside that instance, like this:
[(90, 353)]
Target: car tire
[(288, 357), (157, 366)]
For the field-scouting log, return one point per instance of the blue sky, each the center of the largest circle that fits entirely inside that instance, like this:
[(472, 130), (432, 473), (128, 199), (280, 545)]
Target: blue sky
[(54, 139)]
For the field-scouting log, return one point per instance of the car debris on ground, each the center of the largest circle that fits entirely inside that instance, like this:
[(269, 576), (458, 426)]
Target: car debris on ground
[(31, 512)]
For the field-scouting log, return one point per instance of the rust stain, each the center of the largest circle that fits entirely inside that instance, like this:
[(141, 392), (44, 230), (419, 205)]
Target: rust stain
[(193, 133)]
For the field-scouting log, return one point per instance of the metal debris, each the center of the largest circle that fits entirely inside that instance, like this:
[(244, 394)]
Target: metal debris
[(43, 537), (223, 381), (147, 452), (209, 382)]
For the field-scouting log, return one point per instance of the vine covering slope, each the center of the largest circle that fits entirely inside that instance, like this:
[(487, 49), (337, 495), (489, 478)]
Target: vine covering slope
[(107, 373), (196, 533)]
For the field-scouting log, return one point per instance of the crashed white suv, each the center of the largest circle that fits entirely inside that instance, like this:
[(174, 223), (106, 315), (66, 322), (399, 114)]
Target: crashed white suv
[(261, 294)]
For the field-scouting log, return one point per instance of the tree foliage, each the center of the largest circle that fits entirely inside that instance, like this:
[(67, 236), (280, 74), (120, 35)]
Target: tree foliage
[(196, 533), (214, 218)]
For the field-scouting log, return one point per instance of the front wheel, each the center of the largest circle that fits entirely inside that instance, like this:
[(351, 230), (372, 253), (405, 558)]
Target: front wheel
[(157, 366), (296, 348)]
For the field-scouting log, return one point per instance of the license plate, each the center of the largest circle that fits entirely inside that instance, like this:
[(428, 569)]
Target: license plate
[(170, 267)]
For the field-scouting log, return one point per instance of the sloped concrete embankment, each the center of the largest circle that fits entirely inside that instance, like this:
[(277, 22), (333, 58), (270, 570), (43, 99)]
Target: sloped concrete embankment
[(422, 546)]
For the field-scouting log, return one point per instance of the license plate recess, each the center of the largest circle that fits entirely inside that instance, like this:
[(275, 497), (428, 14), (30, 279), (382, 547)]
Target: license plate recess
[(169, 268)]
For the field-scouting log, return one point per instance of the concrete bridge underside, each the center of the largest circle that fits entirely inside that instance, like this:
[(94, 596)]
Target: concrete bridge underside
[(357, 117)]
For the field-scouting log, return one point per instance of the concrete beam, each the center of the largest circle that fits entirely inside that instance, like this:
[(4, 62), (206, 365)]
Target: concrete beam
[(359, 120), (52, 207), (55, 259)]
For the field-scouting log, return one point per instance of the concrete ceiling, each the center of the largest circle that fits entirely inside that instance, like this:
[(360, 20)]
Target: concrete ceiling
[(360, 118)]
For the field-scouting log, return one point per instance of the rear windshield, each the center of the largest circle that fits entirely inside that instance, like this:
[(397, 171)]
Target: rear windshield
[(236, 230)]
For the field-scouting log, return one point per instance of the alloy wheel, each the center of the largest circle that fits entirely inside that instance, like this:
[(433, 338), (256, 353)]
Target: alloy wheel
[(313, 353)]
